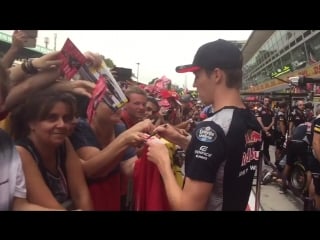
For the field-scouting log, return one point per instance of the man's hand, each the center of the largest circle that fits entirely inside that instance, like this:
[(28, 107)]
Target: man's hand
[(158, 152), (145, 126), (169, 133), (135, 139), (83, 87), (18, 40), (47, 62)]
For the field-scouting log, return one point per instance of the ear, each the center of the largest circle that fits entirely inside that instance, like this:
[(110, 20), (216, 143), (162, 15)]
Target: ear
[(218, 75)]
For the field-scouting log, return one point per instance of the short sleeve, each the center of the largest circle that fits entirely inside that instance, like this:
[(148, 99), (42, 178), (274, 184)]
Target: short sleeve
[(130, 151), (206, 152), (83, 136), (20, 188), (281, 117), (257, 113), (316, 128)]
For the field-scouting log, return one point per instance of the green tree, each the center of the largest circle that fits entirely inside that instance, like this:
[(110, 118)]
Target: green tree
[(109, 63)]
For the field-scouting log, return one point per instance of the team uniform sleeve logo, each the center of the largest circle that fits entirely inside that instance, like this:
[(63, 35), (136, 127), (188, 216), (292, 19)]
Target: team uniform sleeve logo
[(206, 134), (316, 128)]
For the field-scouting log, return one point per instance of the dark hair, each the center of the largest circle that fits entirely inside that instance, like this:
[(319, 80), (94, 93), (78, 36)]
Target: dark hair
[(282, 105), (266, 97), (234, 77), (37, 107), (308, 105), (82, 105), (153, 101)]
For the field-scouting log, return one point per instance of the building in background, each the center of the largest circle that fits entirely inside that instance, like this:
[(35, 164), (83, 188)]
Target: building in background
[(271, 54), (239, 43)]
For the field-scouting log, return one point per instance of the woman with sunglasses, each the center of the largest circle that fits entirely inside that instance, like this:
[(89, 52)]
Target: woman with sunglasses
[(152, 111), (107, 152)]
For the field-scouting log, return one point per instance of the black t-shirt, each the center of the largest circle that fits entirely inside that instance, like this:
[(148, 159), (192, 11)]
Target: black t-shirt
[(280, 117), (266, 115), (224, 150), (297, 117)]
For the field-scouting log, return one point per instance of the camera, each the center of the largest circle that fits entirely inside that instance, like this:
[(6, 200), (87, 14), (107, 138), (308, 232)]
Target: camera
[(301, 81)]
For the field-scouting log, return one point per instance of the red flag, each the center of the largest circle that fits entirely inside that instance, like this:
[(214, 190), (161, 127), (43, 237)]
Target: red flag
[(98, 93), (162, 83), (149, 192)]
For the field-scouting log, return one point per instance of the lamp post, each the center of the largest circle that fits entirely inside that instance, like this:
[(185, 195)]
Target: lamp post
[(55, 42), (138, 71), (46, 41)]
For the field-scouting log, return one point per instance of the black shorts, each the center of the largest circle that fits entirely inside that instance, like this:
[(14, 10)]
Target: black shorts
[(314, 165), (297, 151), (278, 140), (279, 143)]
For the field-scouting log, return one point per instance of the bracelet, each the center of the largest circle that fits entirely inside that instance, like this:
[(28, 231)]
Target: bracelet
[(31, 68), (24, 68), (28, 68)]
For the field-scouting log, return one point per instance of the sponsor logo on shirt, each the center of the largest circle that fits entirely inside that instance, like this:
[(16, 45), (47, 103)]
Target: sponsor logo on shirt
[(252, 137), (206, 134), (202, 153), (250, 155)]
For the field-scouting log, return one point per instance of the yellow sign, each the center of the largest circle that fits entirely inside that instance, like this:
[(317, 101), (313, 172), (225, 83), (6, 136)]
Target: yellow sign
[(309, 71)]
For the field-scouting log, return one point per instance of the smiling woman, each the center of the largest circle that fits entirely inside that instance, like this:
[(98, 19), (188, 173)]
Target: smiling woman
[(54, 176)]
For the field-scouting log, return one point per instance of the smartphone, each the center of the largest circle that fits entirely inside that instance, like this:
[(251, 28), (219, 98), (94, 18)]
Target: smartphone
[(31, 33), (123, 73), (32, 38)]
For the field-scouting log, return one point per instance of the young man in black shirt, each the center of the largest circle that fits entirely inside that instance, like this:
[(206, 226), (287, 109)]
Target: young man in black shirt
[(265, 117), (223, 152)]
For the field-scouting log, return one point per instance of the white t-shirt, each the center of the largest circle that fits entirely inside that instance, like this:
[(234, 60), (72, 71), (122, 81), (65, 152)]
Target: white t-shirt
[(12, 181)]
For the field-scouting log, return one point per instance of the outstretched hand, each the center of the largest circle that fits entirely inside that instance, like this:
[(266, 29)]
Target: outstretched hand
[(83, 87), (18, 39), (145, 126), (135, 139), (94, 59), (47, 62)]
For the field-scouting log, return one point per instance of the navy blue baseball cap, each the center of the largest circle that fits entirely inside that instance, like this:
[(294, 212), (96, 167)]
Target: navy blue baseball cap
[(217, 54)]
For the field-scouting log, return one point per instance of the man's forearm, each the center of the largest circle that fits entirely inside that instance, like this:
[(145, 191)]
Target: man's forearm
[(316, 149), (173, 191), (103, 162), (271, 124), (260, 122), (9, 57), (19, 92)]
